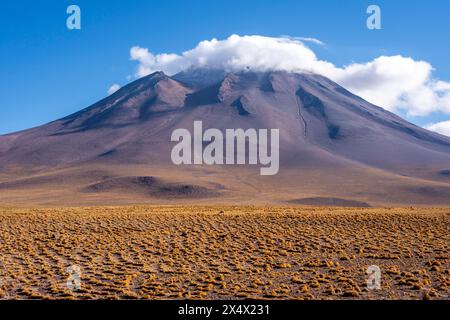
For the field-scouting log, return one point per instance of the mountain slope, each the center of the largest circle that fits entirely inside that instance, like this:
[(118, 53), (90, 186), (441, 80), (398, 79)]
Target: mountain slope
[(323, 128)]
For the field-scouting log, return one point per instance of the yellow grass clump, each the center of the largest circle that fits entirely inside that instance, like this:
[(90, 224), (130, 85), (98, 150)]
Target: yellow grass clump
[(193, 252)]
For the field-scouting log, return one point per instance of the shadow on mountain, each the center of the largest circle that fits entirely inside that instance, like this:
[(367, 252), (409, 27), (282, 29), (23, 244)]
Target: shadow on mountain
[(152, 186), (445, 173)]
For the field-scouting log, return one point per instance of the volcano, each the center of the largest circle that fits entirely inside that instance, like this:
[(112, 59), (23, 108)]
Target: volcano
[(335, 147)]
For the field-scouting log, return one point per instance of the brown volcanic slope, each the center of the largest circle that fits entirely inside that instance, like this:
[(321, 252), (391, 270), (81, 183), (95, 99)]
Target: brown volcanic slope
[(335, 148)]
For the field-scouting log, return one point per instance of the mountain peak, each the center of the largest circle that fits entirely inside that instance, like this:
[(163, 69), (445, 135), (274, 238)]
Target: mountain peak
[(311, 111)]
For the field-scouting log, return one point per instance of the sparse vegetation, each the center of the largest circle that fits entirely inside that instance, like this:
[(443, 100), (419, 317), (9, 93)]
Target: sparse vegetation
[(181, 252)]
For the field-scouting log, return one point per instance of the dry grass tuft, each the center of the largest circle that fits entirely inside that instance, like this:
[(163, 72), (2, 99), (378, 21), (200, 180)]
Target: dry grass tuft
[(181, 252)]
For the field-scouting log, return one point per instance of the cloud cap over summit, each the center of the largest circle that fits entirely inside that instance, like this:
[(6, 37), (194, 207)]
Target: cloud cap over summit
[(395, 83)]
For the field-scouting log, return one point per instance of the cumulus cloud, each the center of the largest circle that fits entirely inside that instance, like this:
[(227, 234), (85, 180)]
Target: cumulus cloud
[(115, 87), (395, 83), (440, 127), (233, 54)]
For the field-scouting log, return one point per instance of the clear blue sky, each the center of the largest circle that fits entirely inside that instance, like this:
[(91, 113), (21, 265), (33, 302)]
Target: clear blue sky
[(48, 72)]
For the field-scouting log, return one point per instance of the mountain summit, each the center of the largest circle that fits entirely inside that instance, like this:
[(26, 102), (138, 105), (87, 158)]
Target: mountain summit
[(333, 144)]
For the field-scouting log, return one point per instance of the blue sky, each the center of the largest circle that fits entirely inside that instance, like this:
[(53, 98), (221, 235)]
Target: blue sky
[(48, 71)]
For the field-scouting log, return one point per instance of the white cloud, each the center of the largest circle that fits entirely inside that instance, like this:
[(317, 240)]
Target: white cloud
[(313, 40), (393, 82), (235, 53), (305, 39), (440, 127), (115, 87)]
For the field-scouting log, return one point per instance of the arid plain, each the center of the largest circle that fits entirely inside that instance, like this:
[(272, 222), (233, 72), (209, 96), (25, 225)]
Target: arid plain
[(224, 252)]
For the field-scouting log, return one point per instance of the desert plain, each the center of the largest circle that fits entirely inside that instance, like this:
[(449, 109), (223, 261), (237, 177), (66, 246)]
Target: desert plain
[(223, 252)]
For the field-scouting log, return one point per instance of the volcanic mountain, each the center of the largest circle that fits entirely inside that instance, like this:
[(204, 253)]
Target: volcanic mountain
[(335, 148)]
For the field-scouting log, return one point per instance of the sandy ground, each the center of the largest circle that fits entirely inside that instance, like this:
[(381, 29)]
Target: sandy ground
[(179, 252)]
